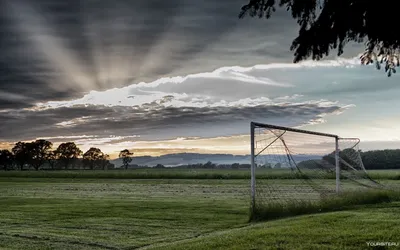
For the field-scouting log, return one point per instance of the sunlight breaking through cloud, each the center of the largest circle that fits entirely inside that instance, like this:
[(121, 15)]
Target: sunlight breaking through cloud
[(97, 45), (221, 102), (36, 28), (147, 93)]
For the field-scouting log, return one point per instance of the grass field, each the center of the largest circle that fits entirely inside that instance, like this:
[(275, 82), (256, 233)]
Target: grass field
[(121, 213), (338, 230), (187, 174), (112, 214)]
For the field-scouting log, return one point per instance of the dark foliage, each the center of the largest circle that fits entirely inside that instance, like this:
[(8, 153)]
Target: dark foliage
[(381, 159), (21, 154), (375, 159), (52, 159), (126, 156), (38, 152), (95, 158), (331, 24), (6, 159), (68, 153)]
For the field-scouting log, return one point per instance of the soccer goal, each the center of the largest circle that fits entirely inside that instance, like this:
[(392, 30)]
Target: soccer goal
[(293, 165)]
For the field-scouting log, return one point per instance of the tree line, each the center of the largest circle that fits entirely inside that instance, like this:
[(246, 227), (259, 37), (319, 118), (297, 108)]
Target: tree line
[(211, 165), (381, 159), (374, 159), (351, 159), (40, 154)]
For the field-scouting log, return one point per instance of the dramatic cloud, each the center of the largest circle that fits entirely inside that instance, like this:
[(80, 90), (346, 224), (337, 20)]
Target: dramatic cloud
[(154, 120), (209, 104), (54, 49), (116, 73)]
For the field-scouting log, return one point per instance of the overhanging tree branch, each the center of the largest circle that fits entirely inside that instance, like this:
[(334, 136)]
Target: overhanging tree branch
[(331, 24)]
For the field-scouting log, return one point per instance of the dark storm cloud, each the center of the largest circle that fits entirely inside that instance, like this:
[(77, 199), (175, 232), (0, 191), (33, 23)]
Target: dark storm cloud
[(152, 120), (144, 39)]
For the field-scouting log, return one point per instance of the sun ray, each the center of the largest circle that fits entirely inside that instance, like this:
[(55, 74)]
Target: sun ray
[(36, 28)]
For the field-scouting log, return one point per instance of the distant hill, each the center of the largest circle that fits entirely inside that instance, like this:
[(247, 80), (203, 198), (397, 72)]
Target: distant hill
[(171, 160)]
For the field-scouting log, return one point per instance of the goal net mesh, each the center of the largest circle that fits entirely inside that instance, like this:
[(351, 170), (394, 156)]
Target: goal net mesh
[(294, 166)]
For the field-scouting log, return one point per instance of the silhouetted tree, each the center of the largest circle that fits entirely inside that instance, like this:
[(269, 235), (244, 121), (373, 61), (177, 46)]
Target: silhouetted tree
[(104, 162), (6, 159), (331, 24), (93, 157), (52, 158), (38, 152), (21, 154), (126, 157), (67, 153)]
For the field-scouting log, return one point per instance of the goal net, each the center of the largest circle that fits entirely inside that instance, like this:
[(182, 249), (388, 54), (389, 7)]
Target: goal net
[(292, 165)]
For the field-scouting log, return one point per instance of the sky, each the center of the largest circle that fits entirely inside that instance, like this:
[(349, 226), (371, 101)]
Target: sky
[(161, 77)]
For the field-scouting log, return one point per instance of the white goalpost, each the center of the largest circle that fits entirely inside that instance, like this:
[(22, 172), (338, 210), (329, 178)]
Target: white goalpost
[(294, 165)]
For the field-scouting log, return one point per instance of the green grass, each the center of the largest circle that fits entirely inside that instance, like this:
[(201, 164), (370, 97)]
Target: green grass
[(187, 174), (100, 214), (389, 174), (350, 230), (154, 174), (111, 213), (344, 201)]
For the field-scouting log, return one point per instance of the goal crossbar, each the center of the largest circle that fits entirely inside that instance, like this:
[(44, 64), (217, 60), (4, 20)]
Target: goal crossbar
[(262, 125)]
